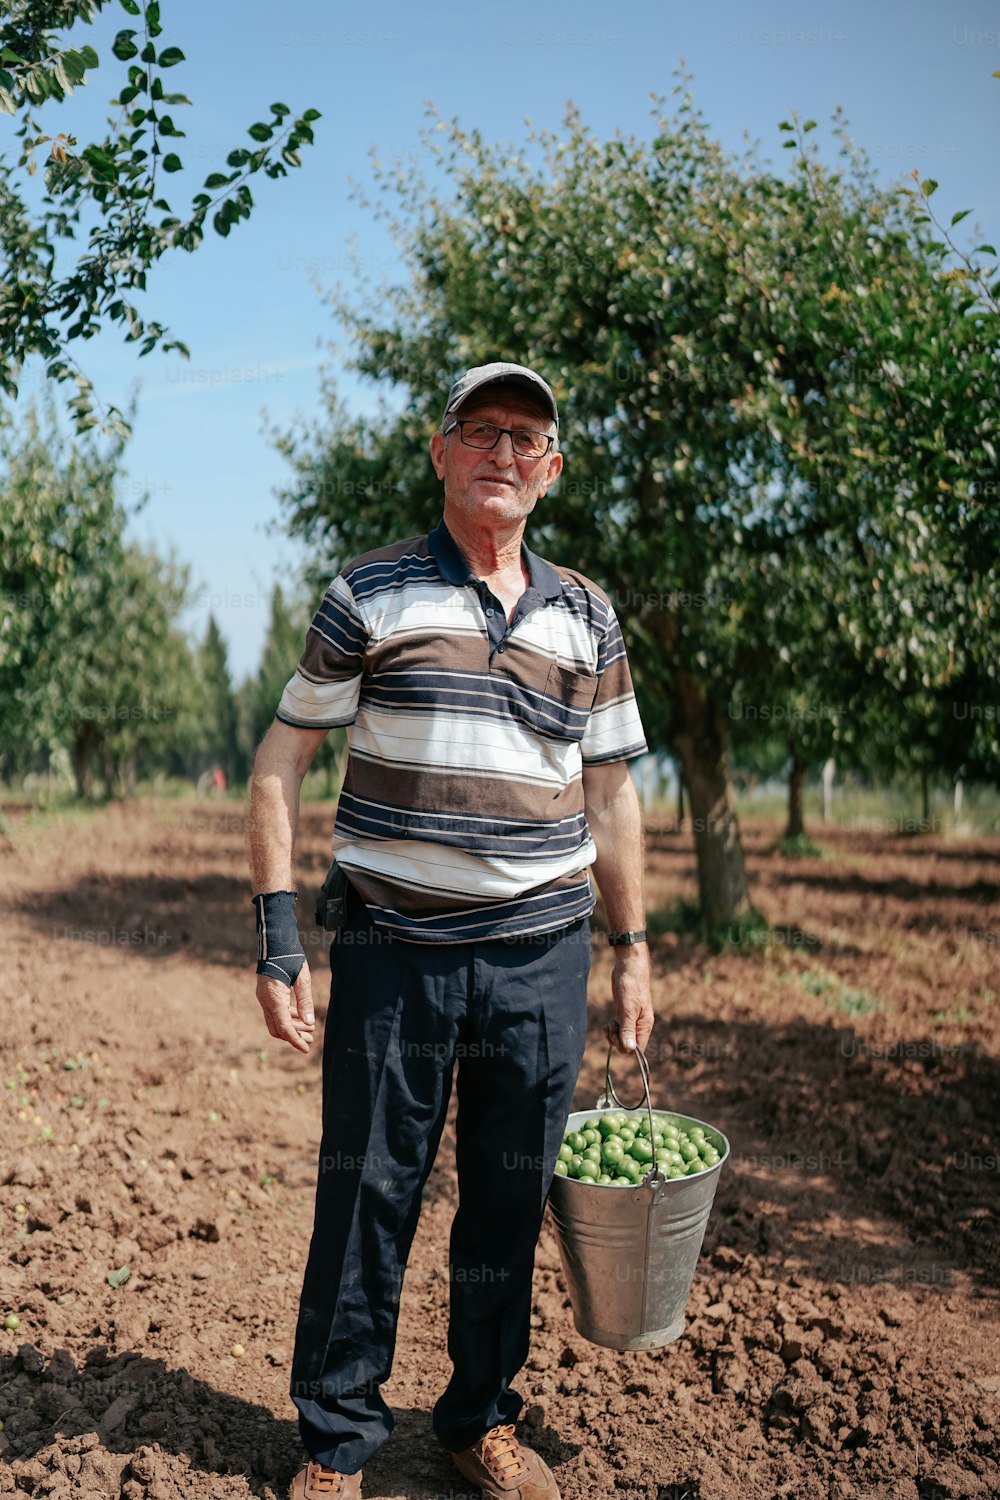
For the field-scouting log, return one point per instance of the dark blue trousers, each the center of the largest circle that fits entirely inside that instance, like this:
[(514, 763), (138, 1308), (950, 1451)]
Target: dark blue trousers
[(513, 1015)]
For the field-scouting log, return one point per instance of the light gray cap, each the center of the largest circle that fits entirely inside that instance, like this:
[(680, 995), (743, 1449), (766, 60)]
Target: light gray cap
[(501, 373)]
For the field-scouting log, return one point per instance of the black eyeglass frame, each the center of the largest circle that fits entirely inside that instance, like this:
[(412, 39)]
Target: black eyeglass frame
[(510, 431)]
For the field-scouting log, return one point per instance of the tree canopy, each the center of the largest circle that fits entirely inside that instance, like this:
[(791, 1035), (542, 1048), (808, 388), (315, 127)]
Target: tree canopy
[(106, 196), (777, 394)]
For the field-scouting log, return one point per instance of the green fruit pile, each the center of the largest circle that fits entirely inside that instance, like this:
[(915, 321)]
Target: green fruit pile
[(615, 1149)]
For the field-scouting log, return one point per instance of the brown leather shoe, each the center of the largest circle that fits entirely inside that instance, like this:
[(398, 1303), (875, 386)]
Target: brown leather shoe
[(316, 1483), (505, 1468)]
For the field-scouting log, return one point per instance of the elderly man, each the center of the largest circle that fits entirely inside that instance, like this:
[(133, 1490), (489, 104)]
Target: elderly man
[(490, 714)]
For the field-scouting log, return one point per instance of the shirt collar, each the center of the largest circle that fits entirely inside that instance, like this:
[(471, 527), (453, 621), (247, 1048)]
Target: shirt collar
[(455, 569)]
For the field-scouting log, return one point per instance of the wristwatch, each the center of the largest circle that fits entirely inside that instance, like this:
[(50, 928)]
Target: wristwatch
[(622, 939)]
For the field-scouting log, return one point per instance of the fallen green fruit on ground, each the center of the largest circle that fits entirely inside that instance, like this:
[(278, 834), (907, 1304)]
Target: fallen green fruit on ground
[(12, 1321)]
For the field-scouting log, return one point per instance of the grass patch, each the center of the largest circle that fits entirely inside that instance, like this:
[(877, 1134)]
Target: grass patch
[(680, 917), (750, 932), (41, 820), (800, 846), (839, 996)]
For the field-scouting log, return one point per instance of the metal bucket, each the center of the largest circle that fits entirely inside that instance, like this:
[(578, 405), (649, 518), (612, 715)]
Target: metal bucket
[(629, 1254)]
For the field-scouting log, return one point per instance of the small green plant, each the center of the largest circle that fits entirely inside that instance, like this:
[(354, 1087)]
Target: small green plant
[(839, 996), (818, 984), (955, 1013), (854, 1002)]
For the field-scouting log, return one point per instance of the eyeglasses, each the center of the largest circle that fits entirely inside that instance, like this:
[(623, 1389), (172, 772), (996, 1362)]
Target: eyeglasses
[(525, 441)]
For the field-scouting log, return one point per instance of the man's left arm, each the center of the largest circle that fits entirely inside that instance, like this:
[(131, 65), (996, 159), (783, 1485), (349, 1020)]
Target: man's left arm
[(615, 820)]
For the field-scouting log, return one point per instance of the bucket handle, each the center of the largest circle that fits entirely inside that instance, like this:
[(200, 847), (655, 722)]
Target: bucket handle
[(655, 1175)]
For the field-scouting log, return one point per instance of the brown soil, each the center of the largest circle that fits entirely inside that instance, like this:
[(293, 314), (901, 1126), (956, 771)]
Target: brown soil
[(842, 1338)]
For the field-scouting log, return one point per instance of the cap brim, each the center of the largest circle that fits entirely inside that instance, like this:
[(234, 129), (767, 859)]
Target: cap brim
[(539, 397)]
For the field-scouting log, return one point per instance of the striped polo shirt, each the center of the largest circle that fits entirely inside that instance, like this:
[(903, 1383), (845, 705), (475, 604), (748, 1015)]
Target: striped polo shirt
[(462, 815)]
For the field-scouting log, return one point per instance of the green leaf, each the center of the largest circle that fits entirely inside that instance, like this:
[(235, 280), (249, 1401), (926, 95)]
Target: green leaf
[(118, 1278), (132, 6), (6, 79), (312, 114), (928, 186), (957, 218), (280, 109), (173, 163), (221, 222), (785, 125), (9, 55), (170, 56), (90, 57), (216, 180), (148, 53), (35, 84), (986, 250), (124, 47), (809, 125), (8, 104), (260, 132)]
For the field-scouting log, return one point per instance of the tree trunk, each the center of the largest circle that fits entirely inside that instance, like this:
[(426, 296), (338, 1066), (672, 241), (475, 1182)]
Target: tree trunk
[(109, 770), (957, 806), (680, 797), (828, 773), (925, 788), (127, 775), (81, 754), (701, 741), (796, 818)]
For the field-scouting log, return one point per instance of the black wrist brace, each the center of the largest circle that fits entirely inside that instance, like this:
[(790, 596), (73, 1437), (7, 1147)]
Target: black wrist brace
[(279, 949)]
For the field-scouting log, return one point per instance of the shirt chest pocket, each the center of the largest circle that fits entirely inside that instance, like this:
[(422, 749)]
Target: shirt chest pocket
[(564, 707)]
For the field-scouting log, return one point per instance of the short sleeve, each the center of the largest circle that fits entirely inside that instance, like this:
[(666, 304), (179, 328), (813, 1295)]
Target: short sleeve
[(614, 730), (325, 689)]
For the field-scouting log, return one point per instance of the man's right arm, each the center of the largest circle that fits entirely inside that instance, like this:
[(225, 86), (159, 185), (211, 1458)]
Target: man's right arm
[(282, 760)]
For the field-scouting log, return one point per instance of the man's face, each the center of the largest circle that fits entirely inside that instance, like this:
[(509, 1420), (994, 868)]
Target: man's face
[(495, 484)]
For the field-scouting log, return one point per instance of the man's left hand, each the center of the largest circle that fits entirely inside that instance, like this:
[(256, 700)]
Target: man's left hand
[(633, 1000)]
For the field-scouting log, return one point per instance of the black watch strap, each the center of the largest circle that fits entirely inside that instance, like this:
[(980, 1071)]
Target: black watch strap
[(623, 939)]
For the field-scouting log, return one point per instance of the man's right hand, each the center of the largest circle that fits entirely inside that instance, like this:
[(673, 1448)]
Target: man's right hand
[(288, 1013)]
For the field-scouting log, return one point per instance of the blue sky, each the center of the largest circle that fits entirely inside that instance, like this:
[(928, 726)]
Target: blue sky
[(913, 77)]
